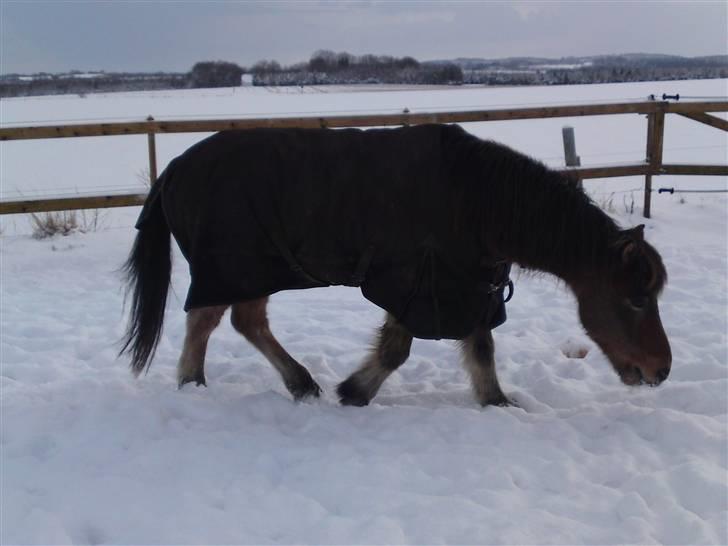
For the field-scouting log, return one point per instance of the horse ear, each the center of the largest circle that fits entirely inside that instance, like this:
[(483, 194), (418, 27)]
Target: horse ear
[(638, 233), (630, 243)]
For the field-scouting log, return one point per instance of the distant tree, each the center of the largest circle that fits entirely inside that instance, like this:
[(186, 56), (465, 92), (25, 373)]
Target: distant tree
[(344, 61), (444, 73), (266, 67), (215, 74), (407, 62), (323, 60), (368, 59)]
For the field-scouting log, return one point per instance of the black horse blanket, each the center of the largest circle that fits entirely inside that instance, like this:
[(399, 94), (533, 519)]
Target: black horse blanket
[(259, 211)]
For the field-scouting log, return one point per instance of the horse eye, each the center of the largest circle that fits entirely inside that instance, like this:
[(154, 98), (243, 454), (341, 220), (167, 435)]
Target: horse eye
[(638, 302)]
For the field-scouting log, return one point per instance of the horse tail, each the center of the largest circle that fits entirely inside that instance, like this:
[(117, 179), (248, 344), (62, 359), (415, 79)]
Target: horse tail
[(147, 274)]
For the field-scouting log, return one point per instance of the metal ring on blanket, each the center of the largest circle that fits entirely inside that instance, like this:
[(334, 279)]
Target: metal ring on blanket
[(510, 291)]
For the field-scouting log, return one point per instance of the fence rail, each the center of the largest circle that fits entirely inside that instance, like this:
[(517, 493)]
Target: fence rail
[(652, 166)]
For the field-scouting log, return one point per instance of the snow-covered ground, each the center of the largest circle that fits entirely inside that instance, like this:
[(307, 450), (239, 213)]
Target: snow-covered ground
[(89, 455)]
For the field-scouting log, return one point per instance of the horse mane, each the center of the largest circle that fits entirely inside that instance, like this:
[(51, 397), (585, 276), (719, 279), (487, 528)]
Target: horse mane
[(533, 215), (657, 273)]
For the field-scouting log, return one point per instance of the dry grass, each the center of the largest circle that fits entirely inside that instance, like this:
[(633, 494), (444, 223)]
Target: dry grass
[(92, 219), (628, 202), (49, 224), (143, 176), (607, 204)]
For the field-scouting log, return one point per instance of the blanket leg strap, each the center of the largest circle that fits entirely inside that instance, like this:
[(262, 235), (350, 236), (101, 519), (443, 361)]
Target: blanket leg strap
[(360, 272), (292, 262)]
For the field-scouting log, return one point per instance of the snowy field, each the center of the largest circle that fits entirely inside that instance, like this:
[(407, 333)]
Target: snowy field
[(91, 456)]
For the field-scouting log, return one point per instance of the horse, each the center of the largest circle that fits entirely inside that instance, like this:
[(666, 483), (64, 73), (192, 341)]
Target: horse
[(426, 220)]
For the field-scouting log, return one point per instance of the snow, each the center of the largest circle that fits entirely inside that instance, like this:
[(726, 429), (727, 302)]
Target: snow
[(91, 456), (565, 66)]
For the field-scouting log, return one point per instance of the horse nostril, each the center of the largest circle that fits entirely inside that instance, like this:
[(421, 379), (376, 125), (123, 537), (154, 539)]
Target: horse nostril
[(662, 374)]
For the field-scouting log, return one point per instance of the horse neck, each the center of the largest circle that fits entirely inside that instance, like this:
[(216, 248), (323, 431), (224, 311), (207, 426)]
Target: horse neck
[(545, 223)]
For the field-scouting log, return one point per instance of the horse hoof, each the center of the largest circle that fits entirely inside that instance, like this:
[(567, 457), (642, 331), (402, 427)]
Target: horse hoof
[(299, 392), (356, 402), (351, 395), (501, 401), (198, 380)]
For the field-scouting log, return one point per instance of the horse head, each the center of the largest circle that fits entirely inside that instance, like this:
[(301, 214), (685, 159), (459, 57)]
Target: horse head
[(619, 310)]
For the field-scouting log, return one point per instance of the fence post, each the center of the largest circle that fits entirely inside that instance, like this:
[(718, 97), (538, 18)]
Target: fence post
[(648, 177), (655, 134), (152, 154), (572, 160)]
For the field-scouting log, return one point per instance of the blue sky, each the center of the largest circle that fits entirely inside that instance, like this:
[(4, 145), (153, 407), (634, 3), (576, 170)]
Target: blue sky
[(171, 36)]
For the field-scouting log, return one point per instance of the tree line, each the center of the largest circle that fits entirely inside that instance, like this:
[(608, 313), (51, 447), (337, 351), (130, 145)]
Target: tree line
[(328, 67), (601, 69), (324, 67)]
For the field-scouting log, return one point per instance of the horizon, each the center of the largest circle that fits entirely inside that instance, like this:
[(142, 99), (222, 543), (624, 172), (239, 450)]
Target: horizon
[(452, 59)]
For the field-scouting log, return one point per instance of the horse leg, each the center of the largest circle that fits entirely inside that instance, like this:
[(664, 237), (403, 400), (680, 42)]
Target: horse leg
[(390, 351), (251, 320), (478, 350), (200, 324)]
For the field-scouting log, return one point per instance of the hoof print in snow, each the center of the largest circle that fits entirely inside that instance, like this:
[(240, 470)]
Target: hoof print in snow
[(574, 349)]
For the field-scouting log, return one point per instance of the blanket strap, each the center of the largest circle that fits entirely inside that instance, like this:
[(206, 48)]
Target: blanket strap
[(500, 280), (357, 278), (292, 262), (500, 271)]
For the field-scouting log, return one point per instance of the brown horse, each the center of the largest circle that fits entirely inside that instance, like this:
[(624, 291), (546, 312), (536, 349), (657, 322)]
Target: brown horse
[(426, 220)]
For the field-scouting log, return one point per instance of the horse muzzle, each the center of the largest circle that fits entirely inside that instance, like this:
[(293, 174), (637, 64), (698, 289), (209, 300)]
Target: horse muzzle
[(649, 371), (633, 376)]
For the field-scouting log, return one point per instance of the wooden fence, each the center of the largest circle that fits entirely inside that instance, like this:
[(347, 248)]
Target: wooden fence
[(652, 166)]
